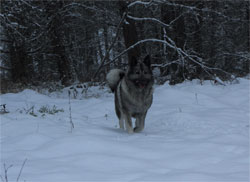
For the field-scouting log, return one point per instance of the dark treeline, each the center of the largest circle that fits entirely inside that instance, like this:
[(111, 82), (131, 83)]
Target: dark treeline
[(67, 41)]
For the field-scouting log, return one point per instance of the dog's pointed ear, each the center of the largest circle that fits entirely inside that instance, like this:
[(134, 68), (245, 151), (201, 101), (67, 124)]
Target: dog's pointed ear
[(147, 60), (133, 61)]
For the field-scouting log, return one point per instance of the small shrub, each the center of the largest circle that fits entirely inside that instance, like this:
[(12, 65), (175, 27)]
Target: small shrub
[(48, 110), (29, 110)]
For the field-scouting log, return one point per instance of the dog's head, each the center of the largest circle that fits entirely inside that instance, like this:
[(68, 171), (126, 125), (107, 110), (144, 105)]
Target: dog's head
[(140, 72)]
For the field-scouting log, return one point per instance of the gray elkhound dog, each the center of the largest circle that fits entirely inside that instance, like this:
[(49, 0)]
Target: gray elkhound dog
[(133, 92)]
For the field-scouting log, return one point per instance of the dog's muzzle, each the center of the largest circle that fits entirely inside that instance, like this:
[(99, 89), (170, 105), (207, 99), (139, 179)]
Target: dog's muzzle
[(141, 83)]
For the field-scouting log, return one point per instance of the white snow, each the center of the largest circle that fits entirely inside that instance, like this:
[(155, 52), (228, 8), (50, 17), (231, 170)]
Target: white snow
[(193, 133)]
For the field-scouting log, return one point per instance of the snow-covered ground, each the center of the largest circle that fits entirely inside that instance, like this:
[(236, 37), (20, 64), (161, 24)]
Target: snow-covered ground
[(193, 133)]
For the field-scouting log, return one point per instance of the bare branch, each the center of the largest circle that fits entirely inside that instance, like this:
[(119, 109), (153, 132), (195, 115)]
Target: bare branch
[(244, 55), (4, 68), (112, 44), (2, 179), (180, 52), (70, 116), (178, 17), (193, 8), (6, 172), (139, 2), (148, 19), (166, 64), (21, 170)]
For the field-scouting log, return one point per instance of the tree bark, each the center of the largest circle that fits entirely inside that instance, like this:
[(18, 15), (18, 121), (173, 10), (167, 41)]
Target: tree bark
[(20, 64), (58, 48), (129, 32)]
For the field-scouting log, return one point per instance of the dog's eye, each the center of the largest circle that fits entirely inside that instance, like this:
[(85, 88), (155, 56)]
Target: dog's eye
[(145, 72), (137, 72)]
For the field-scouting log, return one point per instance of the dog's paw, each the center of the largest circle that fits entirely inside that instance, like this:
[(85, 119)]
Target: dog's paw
[(138, 129), (130, 131)]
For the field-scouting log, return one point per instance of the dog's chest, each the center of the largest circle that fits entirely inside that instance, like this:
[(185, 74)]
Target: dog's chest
[(133, 101), (138, 103)]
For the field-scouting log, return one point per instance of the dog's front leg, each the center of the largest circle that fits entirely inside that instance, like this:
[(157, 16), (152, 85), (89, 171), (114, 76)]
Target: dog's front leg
[(121, 122), (140, 123), (128, 123)]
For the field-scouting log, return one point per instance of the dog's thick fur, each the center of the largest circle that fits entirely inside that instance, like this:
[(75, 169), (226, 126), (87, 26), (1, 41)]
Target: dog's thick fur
[(133, 93)]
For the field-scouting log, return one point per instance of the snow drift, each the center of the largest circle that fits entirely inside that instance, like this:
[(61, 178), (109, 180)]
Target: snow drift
[(193, 132)]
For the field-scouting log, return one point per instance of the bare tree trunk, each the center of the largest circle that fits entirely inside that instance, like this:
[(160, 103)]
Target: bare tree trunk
[(248, 20), (169, 14), (106, 46), (56, 36), (129, 33), (20, 64)]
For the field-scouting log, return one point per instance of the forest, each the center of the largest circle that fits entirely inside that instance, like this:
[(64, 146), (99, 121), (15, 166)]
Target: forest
[(59, 121), (72, 41)]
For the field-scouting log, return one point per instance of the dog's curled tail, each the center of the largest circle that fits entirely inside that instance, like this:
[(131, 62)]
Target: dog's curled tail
[(113, 78)]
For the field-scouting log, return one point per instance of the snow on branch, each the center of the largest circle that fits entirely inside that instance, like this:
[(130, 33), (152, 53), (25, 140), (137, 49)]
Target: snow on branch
[(193, 8), (180, 52), (138, 43), (112, 44), (76, 4), (163, 65), (243, 55), (139, 2), (28, 3), (12, 25), (148, 19)]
